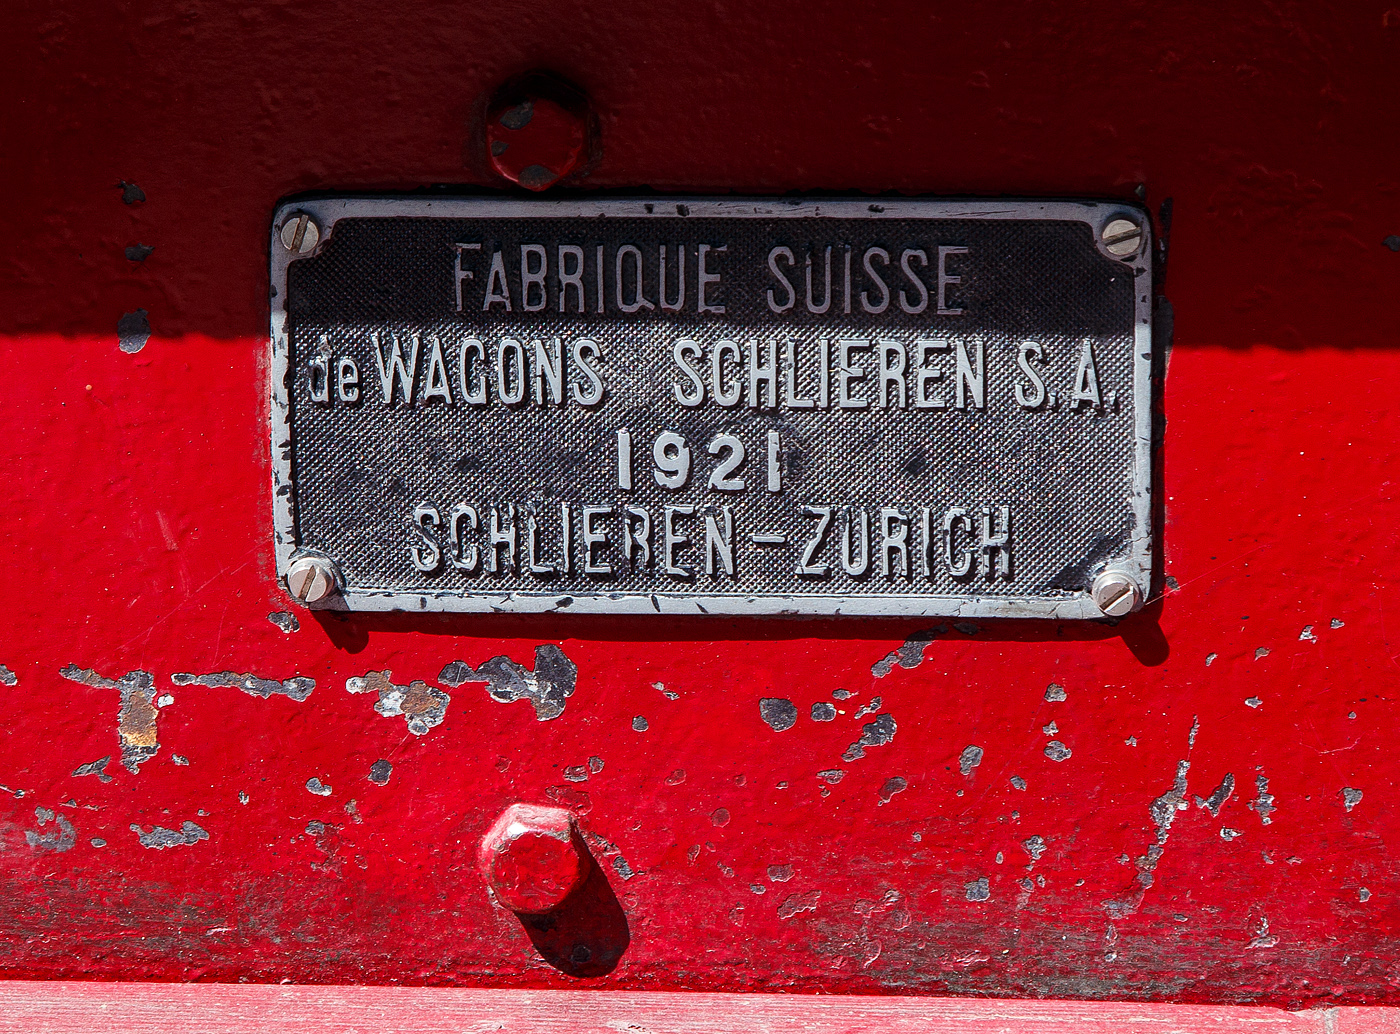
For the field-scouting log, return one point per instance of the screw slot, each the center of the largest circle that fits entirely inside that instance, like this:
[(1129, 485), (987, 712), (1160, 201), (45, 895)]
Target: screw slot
[(300, 234), (1121, 237)]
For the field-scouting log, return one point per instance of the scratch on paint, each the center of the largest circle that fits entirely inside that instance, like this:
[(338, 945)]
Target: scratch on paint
[(136, 721), (1163, 812)]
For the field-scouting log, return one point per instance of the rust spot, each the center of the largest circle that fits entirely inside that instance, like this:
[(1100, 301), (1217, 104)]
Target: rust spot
[(136, 721)]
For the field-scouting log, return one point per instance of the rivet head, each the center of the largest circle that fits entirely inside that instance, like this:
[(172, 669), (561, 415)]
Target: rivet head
[(1116, 593), (1121, 237), (311, 579), (300, 234), (537, 131), (532, 858)]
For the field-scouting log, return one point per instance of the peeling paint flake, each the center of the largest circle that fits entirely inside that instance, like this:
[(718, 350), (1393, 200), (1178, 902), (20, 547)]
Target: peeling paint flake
[(297, 687), (421, 706), (159, 838), (796, 903), (136, 721), (547, 688)]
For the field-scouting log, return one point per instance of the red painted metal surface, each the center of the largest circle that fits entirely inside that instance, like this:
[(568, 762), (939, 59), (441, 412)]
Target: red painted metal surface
[(244, 838)]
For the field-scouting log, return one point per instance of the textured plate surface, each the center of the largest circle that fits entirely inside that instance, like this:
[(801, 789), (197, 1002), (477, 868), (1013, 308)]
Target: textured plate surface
[(910, 407)]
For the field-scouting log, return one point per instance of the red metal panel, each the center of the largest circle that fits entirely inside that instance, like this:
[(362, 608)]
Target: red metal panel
[(137, 531)]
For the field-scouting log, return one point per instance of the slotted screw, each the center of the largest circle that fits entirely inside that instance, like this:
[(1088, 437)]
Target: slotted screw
[(1115, 593), (300, 234), (1121, 237), (310, 579)]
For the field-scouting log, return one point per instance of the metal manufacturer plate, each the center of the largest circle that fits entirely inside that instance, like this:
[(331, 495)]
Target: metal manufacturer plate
[(714, 406)]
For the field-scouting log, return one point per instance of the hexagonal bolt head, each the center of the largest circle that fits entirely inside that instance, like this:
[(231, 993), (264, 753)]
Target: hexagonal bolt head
[(300, 234), (1115, 593), (1121, 237), (311, 579), (532, 858)]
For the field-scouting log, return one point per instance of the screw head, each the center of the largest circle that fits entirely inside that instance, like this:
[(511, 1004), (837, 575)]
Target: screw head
[(1121, 237), (311, 579), (300, 234), (532, 858), (1115, 593)]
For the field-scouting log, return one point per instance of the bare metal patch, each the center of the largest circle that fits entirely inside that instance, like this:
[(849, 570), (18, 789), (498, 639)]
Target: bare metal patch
[(97, 768), (160, 838), (133, 331), (297, 687), (136, 721), (287, 622), (873, 734), (547, 688), (418, 704), (7, 677), (60, 839), (908, 656)]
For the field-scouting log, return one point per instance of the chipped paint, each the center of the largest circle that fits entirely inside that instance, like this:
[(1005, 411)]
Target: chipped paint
[(133, 331), (794, 904), (136, 721), (873, 734), (159, 838), (910, 655), (285, 620), (97, 768), (547, 687), (7, 677), (1263, 803), (893, 785), (379, 772), (1218, 796), (57, 840), (421, 706), (778, 713), (969, 759), (297, 687), (1057, 751), (1351, 797), (979, 889), (320, 789), (1163, 811), (1055, 693)]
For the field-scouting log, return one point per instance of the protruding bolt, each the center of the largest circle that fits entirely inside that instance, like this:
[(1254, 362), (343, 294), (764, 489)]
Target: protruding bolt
[(1121, 237), (532, 858), (300, 234), (1115, 593), (311, 579), (537, 130)]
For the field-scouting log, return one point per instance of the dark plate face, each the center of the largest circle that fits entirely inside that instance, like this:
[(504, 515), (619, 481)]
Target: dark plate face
[(915, 407)]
